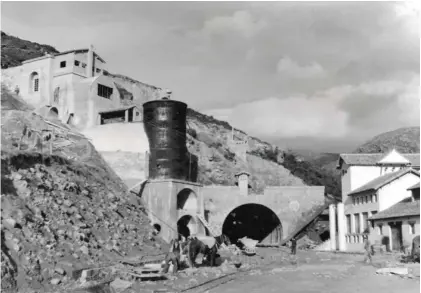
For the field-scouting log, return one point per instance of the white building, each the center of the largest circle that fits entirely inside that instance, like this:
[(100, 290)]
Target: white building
[(371, 183)]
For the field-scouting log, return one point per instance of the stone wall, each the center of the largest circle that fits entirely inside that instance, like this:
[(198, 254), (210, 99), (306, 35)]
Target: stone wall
[(292, 204)]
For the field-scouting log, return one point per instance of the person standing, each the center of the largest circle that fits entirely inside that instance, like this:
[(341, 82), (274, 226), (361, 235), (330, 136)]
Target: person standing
[(367, 250), (293, 246)]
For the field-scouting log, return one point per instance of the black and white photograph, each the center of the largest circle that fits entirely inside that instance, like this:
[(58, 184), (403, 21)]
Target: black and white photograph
[(210, 146)]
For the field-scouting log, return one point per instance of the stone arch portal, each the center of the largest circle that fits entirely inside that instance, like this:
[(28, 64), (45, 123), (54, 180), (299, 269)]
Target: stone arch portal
[(187, 225), (254, 221), (52, 113), (187, 201), (187, 208)]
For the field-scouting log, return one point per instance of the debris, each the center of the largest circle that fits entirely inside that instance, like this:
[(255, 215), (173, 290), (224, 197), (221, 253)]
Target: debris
[(55, 281), (394, 271), (119, 285)]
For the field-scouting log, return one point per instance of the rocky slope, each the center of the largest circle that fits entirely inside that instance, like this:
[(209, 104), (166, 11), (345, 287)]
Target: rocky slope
[(62, 207), (404, 140)]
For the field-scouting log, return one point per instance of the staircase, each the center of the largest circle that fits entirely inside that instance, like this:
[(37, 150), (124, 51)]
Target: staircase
[(210, 229)]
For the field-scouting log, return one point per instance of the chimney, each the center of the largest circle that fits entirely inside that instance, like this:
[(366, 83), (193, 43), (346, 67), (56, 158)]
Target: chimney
[(243, 182), (90, 69)]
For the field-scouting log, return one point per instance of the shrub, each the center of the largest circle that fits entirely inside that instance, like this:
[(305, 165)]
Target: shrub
[(192, 132)]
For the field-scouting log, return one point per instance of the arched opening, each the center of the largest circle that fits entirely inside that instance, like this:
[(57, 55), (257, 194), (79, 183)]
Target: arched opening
[(187, 226), (34, 82), (157, 229), (187, 200), (57, 95), (254, 221), (52, 113)]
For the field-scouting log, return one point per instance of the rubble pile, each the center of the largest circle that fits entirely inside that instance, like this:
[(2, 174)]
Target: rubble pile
[(59, 217), (305, 243)]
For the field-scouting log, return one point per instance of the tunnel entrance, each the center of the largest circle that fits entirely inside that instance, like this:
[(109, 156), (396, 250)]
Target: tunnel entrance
[(253, 221), (187, 226)]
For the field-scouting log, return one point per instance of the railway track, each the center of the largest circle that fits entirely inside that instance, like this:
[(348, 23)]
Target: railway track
[(213, 283)]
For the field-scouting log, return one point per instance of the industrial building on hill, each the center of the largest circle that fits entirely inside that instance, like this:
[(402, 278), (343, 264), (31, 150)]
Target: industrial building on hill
[(76, 87)]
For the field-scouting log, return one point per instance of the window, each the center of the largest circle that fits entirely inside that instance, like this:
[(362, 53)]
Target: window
[(353, 200), (411, 227), (36, 84), (365, 222), (348, 224), (137, 113), (83, 65), (380, 226), (366, 199), (57, 95), (62, 64), (104, 91), (33, 82), (98, 70), (358, 200), (77, 63), (374, 198), (357, 223)]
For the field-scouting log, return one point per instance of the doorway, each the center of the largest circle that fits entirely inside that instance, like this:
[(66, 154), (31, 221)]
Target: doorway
[(396, 234)]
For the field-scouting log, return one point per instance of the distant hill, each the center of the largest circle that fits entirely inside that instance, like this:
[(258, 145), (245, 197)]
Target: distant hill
[(15, 50), (404, 140)]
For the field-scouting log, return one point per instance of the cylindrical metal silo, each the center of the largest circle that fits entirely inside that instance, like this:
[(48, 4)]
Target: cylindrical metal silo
[(165, 127)]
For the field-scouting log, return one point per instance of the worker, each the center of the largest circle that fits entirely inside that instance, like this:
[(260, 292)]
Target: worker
[(367, 249), (293, 246)]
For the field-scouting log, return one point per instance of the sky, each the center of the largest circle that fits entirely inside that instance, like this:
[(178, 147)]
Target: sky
[(324, 76)]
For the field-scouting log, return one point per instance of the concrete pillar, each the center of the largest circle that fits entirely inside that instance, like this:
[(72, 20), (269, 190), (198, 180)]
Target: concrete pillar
[(126, 116), (332, 226), (352, 223), (341, 227)]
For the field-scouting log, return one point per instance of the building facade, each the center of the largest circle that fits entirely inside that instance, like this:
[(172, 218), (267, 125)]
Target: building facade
[(371, 184), (77, 88), (396, 226)]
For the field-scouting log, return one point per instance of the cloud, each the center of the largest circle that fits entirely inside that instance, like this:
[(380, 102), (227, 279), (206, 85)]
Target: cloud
[(241, 22), (337, 113), (345, 68), (290, 117), (288, 68)]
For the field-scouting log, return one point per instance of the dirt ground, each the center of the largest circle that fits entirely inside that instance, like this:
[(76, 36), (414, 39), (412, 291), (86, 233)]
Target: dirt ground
[(323, 272)]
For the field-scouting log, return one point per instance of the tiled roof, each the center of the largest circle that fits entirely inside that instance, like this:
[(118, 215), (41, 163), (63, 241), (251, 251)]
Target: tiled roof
[(416, 186), (373, 159), (383, 180), (402, 209)]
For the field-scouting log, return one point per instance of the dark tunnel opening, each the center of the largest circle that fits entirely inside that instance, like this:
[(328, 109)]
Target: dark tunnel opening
[(254, 221)]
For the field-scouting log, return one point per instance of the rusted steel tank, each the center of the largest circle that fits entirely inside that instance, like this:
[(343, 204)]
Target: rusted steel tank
[(165, 127)]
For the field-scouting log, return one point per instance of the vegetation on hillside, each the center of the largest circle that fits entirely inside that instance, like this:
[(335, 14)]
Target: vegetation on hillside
[(404, 140), (15, 50)]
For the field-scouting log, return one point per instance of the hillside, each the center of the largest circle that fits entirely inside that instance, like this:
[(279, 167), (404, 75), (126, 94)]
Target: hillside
[(63, 207), (210, 141), (404, 140), (15, 50)]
